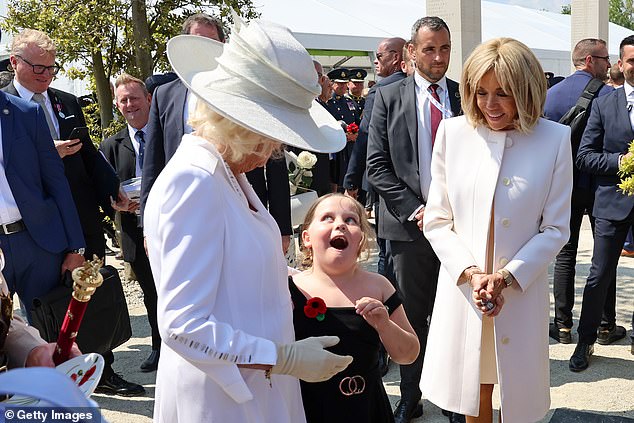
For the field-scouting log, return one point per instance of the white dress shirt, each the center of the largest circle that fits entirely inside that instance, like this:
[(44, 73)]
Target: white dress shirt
[(424, 129), (135, 143), (629, 96), (27, 94), (9, 211)]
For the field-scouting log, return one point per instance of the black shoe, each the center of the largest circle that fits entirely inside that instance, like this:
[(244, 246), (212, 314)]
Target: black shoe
[(113, 384), (454, 417), (561, 335), (580, 358), (151, 363), (384, 362), (605, 336), (406, 410)]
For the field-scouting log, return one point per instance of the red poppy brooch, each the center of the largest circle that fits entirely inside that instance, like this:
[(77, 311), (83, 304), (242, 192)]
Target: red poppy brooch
[(315, 308)]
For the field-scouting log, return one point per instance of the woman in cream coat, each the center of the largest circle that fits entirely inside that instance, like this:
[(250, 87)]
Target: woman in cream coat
[(501, 182), (224, 310)]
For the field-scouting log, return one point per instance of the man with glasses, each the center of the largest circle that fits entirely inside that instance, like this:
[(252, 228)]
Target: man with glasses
[(590, 58), (93, 182)]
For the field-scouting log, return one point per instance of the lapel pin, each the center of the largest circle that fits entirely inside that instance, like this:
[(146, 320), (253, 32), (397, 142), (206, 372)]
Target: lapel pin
[(5, 111), (62, 115)]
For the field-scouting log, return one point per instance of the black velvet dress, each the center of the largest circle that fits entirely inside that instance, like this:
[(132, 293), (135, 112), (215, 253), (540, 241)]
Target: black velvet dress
[(356, 394)]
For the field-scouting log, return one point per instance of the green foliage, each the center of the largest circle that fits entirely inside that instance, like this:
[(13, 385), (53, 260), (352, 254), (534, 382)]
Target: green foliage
[(626, 172), (565, 9), (622, 13), (104, 29)]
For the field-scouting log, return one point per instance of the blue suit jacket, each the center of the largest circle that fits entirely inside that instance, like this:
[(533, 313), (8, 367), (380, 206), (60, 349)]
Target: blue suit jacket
[(607, 136), (562, 96), (36, 176)]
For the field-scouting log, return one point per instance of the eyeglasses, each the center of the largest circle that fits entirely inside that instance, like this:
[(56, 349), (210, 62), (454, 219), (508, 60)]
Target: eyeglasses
[(606, 58), (380, 55), (40, 69)]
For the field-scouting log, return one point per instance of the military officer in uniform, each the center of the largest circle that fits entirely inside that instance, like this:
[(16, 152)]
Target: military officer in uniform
[(355, 88), (345, 110)]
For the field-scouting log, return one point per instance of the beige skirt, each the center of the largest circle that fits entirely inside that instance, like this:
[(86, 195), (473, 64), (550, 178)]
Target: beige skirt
[(488, 364)]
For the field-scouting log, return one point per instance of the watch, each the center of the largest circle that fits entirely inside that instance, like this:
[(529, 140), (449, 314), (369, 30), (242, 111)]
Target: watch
[(507, 276), (79, 251)]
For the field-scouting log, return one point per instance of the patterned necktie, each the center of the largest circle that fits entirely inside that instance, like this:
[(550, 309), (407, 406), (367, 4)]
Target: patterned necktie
[(436, 115), (39, 99), (140, 138)]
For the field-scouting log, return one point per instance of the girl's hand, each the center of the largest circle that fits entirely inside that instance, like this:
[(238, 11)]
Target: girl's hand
[(373, 311)]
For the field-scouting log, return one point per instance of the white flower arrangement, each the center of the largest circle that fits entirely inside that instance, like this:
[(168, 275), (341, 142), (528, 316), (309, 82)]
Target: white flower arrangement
[(300, 175)]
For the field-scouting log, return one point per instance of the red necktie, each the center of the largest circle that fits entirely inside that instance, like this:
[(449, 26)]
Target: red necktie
[(435, 113)]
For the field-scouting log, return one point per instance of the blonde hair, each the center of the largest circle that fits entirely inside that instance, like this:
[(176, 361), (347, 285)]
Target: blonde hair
[(519, 73), (126, 78), (32, 36), (233, 141), (366, 228)]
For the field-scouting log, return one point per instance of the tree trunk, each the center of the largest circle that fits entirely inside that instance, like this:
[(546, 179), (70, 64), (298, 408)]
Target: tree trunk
[(104, 92), (142, 41)]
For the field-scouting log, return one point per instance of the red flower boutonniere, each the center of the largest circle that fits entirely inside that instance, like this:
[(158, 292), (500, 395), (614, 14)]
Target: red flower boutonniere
[(353, 128), (315, 308)]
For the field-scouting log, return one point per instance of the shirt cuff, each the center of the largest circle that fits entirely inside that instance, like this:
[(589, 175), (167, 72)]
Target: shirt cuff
[(412, 216)]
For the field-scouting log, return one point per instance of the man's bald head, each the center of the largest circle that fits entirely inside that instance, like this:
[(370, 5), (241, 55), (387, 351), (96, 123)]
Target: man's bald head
[(388, 56)]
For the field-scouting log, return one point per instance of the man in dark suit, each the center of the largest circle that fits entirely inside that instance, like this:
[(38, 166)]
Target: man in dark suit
[(405, 117), (388, 67), (605, 142), (93, 182), (125, 152), (590, 57), (171, 104)]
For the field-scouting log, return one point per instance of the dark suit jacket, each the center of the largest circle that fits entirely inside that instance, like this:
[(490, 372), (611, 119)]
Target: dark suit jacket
[(607, 136), (36, 177), (92, 180), (165, 130), (119, 151), (164, 133), (393, 156), (355, 175)]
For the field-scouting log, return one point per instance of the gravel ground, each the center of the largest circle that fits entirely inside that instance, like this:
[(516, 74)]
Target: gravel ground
[(607, 387)]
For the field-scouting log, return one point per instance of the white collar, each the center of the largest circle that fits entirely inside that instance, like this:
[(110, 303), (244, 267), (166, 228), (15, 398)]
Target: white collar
[(629, 92), (424, 84), (25, 93)]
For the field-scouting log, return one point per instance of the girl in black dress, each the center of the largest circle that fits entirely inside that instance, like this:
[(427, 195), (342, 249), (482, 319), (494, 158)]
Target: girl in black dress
[(334, 296)]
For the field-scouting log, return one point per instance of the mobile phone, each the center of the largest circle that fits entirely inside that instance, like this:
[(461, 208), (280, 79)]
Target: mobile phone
[(79, 132)]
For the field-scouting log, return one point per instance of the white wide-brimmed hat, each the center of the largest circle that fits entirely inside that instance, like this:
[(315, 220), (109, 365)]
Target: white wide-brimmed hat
[(262, 79)]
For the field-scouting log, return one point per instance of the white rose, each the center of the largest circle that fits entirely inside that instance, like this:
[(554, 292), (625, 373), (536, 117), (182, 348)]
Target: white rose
[(306, 160)]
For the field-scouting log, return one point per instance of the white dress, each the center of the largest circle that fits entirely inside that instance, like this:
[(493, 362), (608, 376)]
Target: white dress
[(223, 295)]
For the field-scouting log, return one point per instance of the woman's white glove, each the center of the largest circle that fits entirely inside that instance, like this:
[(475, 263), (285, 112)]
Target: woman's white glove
[(309, 361)]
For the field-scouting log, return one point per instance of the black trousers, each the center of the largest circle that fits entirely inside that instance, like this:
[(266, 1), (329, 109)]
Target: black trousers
[(564, 272), (416, 271), (609, 236), (143, 272)]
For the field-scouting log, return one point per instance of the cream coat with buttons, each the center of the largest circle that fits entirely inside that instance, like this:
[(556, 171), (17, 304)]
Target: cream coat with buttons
[(530, 177)]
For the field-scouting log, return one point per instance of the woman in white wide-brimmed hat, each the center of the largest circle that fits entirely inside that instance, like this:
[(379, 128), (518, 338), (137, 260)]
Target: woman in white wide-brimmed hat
[(224, 309)]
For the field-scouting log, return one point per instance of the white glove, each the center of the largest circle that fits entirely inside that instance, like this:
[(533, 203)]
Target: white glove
[(309, 361)]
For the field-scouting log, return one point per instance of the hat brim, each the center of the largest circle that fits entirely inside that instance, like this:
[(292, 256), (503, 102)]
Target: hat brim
[(314, 129)]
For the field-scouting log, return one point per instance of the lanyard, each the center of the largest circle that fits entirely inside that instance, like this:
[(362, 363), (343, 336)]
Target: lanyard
[(446, 113)]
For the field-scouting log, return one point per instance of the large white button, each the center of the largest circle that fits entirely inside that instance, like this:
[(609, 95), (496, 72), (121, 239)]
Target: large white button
[(504, 261), (508, 143), (505, 340), (506, 222), (506, 181)]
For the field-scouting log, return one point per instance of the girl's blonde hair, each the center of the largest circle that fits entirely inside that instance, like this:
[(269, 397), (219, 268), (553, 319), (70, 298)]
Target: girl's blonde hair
[(519, 73), (233, 141), (366, 228)]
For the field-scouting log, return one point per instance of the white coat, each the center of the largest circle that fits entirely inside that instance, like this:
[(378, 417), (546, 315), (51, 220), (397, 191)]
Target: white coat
[(223, 295), (530, 176)]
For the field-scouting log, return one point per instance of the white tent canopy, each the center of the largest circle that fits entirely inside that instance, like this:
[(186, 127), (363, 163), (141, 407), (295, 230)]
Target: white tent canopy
[(359, 25)]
